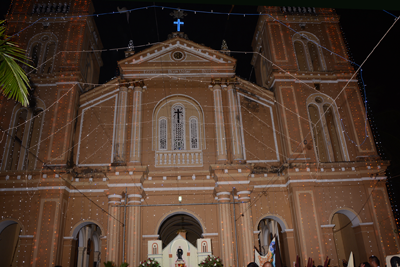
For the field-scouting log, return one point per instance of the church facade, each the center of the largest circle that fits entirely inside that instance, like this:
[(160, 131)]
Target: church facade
[(178, 144)]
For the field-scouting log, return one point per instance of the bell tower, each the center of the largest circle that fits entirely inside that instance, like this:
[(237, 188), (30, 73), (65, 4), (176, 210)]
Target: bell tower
[(303, 59), (63, 42)]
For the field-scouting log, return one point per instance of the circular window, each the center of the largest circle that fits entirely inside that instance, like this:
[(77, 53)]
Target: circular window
[(318, 100), (45, 38), (177, 55)]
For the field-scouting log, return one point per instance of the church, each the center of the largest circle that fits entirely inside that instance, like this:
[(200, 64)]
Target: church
[(179, 158)]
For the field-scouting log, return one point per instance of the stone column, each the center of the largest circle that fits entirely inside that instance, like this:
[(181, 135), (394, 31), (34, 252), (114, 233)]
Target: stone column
[(246, 231), (219, 123), (133, 233), (97, 258), (81, 251), (136, 123), (234, 120), (226, 235), (114, 226), (119, 146)]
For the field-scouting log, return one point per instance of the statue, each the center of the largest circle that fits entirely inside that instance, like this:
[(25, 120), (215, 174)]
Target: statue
[(179, 253)]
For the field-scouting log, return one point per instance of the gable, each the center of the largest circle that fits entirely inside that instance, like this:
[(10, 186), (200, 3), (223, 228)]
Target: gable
[(178, 57)]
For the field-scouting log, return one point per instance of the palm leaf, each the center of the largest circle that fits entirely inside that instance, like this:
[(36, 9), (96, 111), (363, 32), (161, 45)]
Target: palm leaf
[(13, 81)]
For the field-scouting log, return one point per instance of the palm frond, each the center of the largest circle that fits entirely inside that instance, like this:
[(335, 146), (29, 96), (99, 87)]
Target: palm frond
[(13, 80)]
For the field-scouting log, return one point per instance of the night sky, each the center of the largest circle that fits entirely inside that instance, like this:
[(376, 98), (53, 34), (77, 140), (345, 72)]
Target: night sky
[(362, 29)]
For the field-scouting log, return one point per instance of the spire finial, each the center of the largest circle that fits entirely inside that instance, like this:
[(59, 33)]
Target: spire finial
[(224, 48)]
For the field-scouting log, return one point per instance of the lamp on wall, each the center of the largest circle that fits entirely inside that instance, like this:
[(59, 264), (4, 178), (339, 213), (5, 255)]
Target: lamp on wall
[(180, 199)]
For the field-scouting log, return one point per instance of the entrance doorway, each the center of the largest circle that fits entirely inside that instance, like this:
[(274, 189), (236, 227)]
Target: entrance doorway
[(86, 252), (344, 236), (9, 239), (172, 225), (269, 228)]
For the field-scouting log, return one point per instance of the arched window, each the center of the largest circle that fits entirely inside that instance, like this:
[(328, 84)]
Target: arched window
[(163, 134), (42, 49), (35, 53), (47, 66), (204, 247), (326, 131), (301, 56), (33, 140), (23, 144), (178, 127), (17, 140), (308, 52), (314, 55), (155, 249), (333, 134), (318, 133), (194, 133)]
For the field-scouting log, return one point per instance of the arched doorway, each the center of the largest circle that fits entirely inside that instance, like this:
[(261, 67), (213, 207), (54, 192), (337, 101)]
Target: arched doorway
[(269, 228), (86, 252), (9, 239), (344, 236), (171, 226)]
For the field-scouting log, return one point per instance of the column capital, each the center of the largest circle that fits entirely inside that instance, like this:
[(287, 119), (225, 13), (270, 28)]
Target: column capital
[(123, 87), (244, 196), (223, 196), (114, 199), (134, 199)]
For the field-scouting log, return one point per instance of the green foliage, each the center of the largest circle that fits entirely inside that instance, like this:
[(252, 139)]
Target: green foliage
[(211, 261), (13, 81), (149, 263), (111, 264)]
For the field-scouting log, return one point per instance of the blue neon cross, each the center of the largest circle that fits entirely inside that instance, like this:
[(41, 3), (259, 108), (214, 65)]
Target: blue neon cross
[(179, 23)]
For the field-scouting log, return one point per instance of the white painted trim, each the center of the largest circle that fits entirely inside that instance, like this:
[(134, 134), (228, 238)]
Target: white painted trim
[(287, 230), (272, 122), (260, 161), (81, 125), (209, 234), (192, 74), (322, 181), (328, 225), (87, 190), (26, 236), (69, 238), (177, 188), (126, 185), (223, 193), (98, 98), (231, 182)]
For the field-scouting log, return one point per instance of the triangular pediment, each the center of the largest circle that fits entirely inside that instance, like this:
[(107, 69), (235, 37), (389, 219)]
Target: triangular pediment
[(178, 57)]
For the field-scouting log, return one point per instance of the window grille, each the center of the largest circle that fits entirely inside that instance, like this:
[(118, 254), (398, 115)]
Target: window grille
[(194, 143), (178, 127), (163, 134)]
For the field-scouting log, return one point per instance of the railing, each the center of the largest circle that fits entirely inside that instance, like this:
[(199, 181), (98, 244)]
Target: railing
[(186, 158)]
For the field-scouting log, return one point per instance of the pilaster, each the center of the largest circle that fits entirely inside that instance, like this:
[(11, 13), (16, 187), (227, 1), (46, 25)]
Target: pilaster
[(81, 251), (135, 156), (120, 137), (237, 146), (246, 232), (114, 229), (133, 230), (219, 123), (225, 228)]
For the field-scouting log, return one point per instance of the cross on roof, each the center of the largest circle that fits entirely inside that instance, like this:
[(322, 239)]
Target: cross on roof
[(179, 23)]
